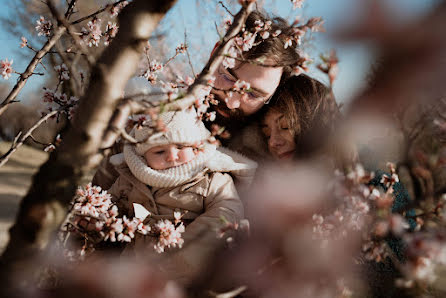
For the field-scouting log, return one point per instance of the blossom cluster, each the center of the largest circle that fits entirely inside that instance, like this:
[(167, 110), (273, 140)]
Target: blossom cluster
[(362, 207), (94, 213), (43, 27), (6, 68), (94, 216), (60, 101), (426, 255), (93, 33), (292, 37), (329, 65), (169, 235)]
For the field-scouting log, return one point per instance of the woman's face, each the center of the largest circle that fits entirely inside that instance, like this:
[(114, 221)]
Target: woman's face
[(280, 140)]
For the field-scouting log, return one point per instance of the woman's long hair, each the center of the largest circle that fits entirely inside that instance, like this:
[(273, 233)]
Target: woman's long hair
[(312, 114)]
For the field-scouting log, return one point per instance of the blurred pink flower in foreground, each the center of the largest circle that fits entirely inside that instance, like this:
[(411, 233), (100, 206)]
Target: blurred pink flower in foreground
[(6, 68)]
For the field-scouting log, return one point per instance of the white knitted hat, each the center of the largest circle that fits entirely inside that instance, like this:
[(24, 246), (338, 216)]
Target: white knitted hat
[(182, 127)]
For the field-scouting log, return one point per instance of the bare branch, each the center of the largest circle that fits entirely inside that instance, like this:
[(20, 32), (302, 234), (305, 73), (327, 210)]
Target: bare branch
[(78, 41), (74, 82), (188, 55), (70, 9), (213, 62), (227, 10), (20, 138), (31, 67)]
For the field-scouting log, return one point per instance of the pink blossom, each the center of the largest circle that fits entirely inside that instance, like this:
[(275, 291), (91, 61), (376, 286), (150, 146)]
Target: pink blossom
[(297, 3), (288, 42), (264, 34), (227, 22), (241, 86), (389, 180), (155, 66), (93, 34), (169, 235), (24, 42), (315, 24), (62, 71), (6, 68), (375, 251), (49, 148), (374, 194), (247, 41), (258, 25), (297, 70), (182, 48), (211, 116), (318, 219), (110, 32), (277, 33), (116, 9), (210, 82), (229, 61), (43, 26), (398, 224)]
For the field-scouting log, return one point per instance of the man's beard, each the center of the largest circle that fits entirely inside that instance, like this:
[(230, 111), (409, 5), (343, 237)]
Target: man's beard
[(236, 118)]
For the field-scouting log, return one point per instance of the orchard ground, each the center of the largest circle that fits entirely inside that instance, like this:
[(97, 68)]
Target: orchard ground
[(15, 179)]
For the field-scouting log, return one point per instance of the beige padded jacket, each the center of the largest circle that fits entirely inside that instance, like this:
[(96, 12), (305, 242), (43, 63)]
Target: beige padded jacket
[(207, 198)]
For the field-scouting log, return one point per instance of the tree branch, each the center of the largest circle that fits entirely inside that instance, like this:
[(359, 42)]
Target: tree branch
[(213, 63), (20, 138), (31, 67), (77, 40)]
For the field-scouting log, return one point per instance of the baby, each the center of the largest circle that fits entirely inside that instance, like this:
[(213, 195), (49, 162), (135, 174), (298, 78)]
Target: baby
[(178, 170)]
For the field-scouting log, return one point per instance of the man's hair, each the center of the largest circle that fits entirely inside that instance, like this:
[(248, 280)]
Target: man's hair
[(273, 47)]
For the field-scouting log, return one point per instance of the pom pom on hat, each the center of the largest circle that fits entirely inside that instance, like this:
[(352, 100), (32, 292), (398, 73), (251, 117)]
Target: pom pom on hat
[(181, 127)]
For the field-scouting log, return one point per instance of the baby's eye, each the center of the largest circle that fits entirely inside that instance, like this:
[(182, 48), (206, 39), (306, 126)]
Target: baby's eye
[(159, 152), (179, 147)]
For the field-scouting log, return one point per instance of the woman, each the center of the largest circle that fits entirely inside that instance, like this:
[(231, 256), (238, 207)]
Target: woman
[(301, 116)]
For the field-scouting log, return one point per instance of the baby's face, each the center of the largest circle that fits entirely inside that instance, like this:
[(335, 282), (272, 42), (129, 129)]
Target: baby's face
[(167, 156)]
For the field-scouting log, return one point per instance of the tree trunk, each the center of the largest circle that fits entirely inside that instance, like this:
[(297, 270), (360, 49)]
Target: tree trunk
[(45, 206)]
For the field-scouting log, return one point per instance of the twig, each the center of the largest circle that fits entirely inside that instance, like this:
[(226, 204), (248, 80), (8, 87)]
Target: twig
[(227, 10), (187, 53), (35, 61), (96, 13), (171, 58), (70, 9), (218, 31), (213, 63), (79, 43), (31, 67), (119, 119), (127, 137), (38, 142), (74, 82), (20, 138)]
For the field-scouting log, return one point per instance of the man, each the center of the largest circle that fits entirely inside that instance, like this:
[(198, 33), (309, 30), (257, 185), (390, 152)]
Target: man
[(236, 112)]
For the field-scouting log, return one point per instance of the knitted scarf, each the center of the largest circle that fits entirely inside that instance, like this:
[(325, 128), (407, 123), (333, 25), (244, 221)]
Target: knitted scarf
[(169, 177)]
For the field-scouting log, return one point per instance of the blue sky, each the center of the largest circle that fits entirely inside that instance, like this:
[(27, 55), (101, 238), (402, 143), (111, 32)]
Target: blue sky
[(355, 58)]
